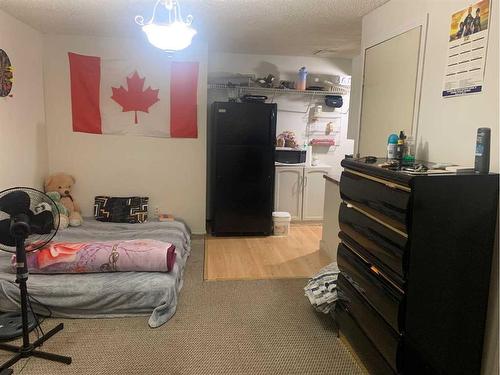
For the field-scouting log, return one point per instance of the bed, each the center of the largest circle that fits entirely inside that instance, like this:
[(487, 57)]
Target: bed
[(106, 295)]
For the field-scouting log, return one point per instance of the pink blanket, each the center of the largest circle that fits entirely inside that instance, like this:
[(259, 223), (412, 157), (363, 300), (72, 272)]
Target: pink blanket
[(109, 256)]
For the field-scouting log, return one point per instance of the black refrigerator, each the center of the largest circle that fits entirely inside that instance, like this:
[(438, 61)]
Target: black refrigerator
[(242, 168)]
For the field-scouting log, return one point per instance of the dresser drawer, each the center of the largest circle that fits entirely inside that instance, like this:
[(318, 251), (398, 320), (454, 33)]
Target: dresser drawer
[(373, 286), (385, 339), (387, 202), (364, 348), (383, 243)]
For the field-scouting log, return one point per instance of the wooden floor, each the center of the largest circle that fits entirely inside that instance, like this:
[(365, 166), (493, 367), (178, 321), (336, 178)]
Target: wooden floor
[(235, 258)]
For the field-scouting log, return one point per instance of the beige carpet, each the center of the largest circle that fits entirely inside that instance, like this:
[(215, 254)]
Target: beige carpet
[(226, 327)]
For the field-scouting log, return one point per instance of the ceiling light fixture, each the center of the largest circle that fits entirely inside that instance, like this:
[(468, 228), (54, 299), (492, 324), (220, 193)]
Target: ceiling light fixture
[(171, 36)]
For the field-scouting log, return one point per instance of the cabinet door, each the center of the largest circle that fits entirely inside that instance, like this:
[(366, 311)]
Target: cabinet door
[(288, 191), (314, 194)]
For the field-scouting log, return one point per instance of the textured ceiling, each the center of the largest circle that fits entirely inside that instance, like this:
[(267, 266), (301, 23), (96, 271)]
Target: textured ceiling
[(283, 27)]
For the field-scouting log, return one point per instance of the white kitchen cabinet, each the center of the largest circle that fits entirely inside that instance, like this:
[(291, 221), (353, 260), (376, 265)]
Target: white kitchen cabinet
[(288, 191), (300, 191), (313, 194)]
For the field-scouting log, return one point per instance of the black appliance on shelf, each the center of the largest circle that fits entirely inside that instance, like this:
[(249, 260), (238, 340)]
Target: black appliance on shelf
[(242, 168)]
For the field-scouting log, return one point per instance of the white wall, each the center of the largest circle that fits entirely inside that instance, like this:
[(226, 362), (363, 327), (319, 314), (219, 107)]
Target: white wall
[(282, 67), (355, 97), (447, 127), (23, 147), (172, 172), (330, 234)]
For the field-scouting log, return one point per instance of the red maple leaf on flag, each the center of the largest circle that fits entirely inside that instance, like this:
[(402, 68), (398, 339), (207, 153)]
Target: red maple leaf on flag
[(135, 99)]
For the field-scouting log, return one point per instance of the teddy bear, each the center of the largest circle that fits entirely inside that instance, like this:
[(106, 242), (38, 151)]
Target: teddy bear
[(63, 211), (62, 184)]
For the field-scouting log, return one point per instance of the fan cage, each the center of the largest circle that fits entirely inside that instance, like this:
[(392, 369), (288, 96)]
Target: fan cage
[(33, 241)]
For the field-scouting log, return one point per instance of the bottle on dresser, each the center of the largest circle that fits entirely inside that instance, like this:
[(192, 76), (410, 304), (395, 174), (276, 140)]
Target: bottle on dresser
[(401, 147), (392, 143)]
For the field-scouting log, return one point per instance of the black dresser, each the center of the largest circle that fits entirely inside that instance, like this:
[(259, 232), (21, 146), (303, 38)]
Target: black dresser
[(415, 260)]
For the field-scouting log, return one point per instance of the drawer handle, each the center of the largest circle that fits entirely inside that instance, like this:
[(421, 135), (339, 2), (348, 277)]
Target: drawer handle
[(349, 205), (389, 184), (376, 271), (367, 262)]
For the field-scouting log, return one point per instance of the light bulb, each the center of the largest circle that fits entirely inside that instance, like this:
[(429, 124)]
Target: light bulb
[(172, 37)]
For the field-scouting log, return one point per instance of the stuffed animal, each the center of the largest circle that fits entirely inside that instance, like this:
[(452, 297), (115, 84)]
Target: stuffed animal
[(63, 211), (62, 184)]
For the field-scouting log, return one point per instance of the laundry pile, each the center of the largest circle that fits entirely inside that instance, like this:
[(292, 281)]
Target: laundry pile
[(322, 288)]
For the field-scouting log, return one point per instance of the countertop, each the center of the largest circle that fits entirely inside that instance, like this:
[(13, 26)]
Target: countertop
[(302, 165), (331, 178)]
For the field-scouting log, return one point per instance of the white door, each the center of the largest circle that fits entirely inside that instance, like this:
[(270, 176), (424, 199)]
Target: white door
[(391, 70), (314, 194), (288, 191)]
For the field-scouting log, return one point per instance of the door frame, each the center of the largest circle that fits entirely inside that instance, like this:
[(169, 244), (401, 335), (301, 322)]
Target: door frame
[(422, 22)]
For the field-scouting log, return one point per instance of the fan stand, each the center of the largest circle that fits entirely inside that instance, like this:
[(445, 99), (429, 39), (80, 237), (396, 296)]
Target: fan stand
[(28, 349)]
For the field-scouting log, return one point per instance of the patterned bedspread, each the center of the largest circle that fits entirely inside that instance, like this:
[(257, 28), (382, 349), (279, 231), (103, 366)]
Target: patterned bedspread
[(105, 295)]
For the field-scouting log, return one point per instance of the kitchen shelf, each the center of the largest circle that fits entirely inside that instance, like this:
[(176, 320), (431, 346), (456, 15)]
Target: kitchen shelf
[(336, 90)]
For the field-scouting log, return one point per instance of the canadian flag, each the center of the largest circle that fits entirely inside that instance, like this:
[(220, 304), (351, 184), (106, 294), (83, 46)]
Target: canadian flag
[(113, 96)]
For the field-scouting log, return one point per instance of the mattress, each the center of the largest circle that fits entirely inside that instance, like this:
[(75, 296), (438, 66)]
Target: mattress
[(106, 295)]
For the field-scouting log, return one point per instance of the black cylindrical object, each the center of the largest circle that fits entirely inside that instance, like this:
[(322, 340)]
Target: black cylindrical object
[(482, 159)]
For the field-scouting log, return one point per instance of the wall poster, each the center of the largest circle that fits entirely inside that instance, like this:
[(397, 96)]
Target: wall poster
[(467, 48)]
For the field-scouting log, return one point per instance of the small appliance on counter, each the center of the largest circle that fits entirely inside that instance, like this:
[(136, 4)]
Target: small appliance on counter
[(287, 155)]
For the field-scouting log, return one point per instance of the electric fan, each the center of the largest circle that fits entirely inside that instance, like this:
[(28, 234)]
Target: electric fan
[(29, 219)]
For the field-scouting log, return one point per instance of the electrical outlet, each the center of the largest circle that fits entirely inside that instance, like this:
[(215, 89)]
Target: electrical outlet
[(157, 212)]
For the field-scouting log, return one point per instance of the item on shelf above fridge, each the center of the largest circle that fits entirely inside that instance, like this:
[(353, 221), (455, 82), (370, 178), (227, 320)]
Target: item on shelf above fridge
[(266, 81), (327, 82), (302, 79), (236, 79), (317, 82), (315, 88), (342, 80), (287, 85), (249, 98)]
